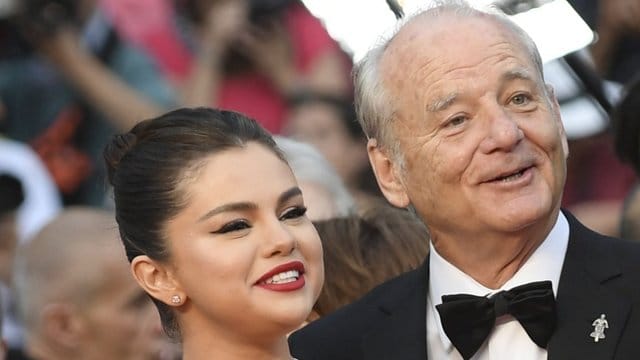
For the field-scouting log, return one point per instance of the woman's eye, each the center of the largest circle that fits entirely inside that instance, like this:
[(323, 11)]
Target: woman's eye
[(294, 213), (233, 226)]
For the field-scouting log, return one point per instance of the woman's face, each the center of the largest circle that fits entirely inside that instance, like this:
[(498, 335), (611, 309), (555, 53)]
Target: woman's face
[(242, 250)]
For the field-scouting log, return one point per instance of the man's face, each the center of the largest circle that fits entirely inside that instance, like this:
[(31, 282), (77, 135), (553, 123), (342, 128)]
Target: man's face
[(483, 144), (121, 321)]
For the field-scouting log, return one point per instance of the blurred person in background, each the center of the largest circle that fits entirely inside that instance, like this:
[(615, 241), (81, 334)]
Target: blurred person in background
[(597, 181), (77, 297), (3, 343), (42, 200), (324, 192), (11, 198), (328, 122), (626, 125), (363, 251), (626, 128), (252, 55), (630, 219), (616, 51), (68, 78)]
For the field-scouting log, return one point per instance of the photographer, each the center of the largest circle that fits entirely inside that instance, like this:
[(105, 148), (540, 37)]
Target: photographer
[(73, 83), (251, 56)]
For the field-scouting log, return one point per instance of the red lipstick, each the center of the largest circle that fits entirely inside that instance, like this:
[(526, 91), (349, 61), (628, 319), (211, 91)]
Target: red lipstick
[(285, 277)]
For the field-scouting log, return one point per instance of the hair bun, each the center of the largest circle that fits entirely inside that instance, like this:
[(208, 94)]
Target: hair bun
[(116, 150)]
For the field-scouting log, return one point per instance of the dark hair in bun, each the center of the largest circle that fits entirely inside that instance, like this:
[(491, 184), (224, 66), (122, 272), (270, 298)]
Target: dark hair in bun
[(147, 164)]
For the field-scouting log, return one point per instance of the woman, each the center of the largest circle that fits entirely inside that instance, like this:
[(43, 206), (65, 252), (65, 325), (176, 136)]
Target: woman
[(214, 225)]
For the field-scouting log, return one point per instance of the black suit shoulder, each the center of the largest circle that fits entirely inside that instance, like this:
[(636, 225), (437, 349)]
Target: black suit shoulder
[(340, 334), (594, 248)]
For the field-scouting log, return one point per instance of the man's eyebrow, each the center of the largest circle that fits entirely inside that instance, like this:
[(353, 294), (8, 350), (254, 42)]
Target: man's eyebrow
[(442, 103), (517, 74)]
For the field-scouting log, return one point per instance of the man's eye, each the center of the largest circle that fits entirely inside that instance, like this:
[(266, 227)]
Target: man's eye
[(294, 213), (233, 226), (520, 99), (456, 121)]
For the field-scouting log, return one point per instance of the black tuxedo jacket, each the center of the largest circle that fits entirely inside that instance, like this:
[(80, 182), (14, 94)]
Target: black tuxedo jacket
[(601, 275)]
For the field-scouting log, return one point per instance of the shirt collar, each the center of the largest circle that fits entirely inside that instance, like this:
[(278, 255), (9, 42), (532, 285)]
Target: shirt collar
[(544, 264)]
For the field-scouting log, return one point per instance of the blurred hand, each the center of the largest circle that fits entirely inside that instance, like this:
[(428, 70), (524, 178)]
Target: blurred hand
[(621, 15), (224, 21), (269, 48), (60, 47)]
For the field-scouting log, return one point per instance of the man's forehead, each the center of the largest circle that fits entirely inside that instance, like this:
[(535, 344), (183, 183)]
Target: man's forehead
[(415, 45), (428, 41)]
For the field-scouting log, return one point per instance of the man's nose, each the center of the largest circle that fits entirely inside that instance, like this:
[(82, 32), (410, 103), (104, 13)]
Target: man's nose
[(503, 132)]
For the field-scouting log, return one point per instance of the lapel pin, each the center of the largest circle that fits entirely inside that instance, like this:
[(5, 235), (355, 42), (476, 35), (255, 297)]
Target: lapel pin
[(599, 325)]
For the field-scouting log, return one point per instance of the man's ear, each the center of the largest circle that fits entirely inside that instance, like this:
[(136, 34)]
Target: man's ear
[(555, 108), (157, 280), (63, 324), (388, 175)]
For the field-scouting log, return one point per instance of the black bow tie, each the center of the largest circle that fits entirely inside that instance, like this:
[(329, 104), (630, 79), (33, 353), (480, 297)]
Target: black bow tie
[(468, 320)]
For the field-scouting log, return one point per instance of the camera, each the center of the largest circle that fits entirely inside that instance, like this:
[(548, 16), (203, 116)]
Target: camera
[(47, 16), (259, 10)]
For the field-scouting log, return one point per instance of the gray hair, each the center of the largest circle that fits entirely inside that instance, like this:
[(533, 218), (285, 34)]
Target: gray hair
[(376, 106), (308, 164)]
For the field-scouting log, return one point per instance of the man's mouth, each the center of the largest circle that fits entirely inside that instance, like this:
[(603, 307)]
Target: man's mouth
[(510, 176)]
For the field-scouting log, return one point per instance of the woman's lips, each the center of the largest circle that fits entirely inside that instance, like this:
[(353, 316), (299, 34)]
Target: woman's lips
[(285, 277)]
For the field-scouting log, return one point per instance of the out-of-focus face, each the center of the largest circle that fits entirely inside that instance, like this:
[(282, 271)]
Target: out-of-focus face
[(120, 321), (483, 143), (242, 250), (319, 201), (321, 126)]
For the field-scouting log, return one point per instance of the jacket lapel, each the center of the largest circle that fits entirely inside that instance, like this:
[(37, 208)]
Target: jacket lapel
[(585, 291), (402, 333)]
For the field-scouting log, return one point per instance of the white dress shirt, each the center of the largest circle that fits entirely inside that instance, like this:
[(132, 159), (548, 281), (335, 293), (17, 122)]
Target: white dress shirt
[(508, 340)]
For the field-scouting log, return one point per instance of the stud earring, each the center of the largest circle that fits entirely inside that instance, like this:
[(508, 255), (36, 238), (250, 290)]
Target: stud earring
[(176, 299)]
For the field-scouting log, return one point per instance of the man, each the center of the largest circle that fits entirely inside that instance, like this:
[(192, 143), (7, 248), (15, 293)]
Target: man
[(462, 129), (77, 297)]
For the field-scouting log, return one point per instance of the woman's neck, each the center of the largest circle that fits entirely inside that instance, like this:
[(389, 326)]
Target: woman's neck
[(196, 348)]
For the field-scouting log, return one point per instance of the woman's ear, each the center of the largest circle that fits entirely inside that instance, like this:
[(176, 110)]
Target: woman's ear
[(387, 174), (157, 280)]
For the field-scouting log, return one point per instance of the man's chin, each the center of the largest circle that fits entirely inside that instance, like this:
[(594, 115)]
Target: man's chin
[(514, 219)]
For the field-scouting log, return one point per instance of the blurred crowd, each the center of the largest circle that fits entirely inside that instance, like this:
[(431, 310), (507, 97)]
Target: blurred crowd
[(75, 72)]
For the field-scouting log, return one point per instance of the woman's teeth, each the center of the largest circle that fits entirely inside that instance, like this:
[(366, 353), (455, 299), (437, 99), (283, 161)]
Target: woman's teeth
[(284, 277)]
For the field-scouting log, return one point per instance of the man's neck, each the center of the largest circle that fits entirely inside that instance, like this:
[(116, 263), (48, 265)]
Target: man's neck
[(493, 259)]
